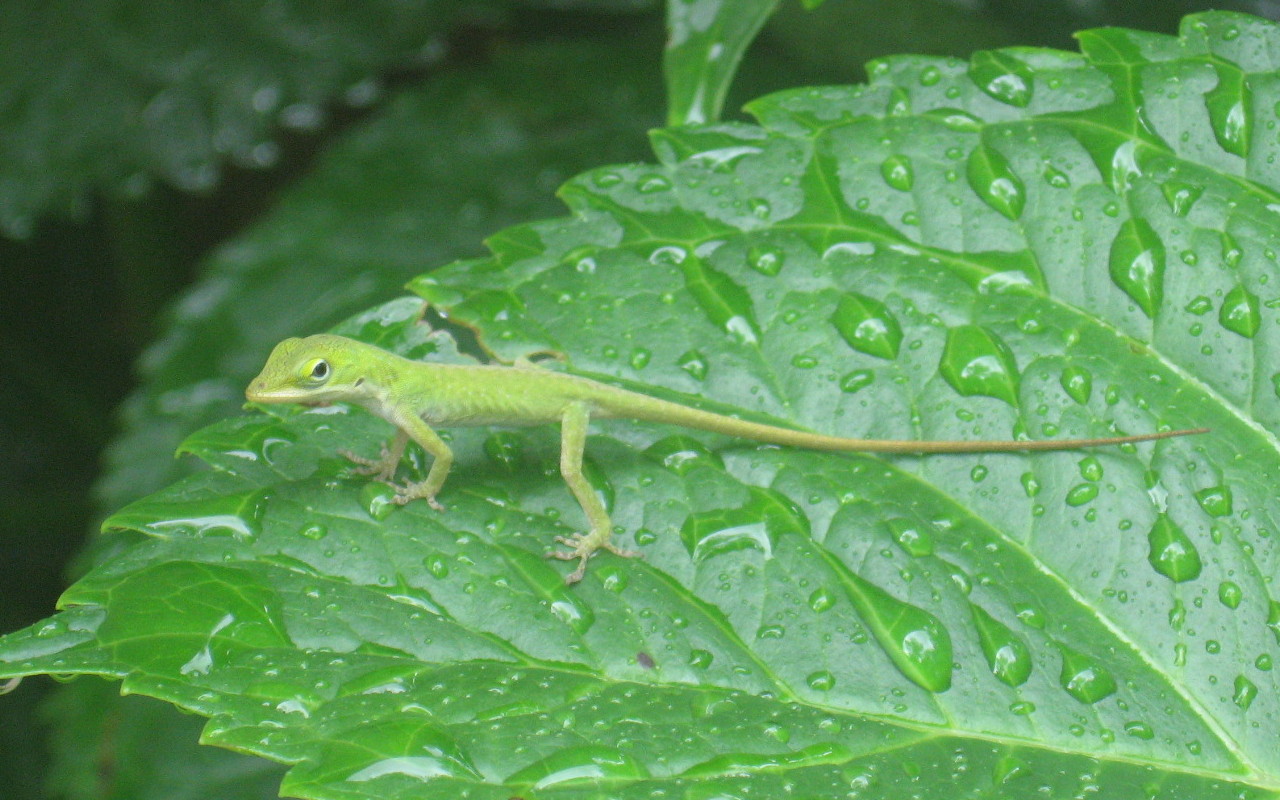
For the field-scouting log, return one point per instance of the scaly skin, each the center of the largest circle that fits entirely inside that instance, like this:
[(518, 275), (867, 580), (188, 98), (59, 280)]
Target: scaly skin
[(416, 396)]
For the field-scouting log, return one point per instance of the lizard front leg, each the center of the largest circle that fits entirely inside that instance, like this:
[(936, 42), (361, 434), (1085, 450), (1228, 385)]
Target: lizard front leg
[(573, 440), (382, 468), (411, 426)]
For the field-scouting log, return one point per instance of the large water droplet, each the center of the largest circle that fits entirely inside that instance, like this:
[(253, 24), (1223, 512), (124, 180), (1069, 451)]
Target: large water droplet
[(914, 639), (1228, 115), (1084, 677), (1137, 264), (1001, 76), (1215, 500), (898, 172), (1245, 692), (1273, 619), (1181, 196), (911, 536), (1077, 382), (1230, 594), (1007, 655), (1171, 552), (977, 362), (1240, 312), (991, 177), (867, 325), (765, 260), (694, 363), (576, 765)]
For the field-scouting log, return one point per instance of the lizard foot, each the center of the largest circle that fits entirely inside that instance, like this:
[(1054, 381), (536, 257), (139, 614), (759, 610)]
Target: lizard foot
[(409, 493), (382, 468), (584, 546)]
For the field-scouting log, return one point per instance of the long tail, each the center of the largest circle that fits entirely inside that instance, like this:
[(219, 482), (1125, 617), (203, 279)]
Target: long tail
[(651, 409)]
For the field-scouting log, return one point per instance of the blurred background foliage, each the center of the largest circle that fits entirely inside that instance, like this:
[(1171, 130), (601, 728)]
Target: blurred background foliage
[(182, 183)]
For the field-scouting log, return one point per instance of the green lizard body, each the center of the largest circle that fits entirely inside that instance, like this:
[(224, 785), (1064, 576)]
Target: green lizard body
[(416, 396)]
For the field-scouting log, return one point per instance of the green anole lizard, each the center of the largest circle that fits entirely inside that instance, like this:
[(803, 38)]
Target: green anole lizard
[(414, 396)]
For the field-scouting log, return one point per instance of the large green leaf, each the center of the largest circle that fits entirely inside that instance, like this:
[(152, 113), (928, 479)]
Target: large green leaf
[(1030, 243)]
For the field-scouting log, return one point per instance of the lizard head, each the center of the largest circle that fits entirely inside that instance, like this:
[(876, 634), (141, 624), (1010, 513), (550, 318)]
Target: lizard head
[(312, 371)]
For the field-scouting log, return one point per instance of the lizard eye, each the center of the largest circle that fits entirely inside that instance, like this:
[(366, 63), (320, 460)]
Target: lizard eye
[(319, 369)]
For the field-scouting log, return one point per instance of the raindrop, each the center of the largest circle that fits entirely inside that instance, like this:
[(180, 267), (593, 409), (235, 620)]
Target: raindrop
[(1245, 692), (1139, 730), (1084, 678), (1199, 305), (504, 448), (1077, 382), (652, 184), (1007, 655), (1090, 468), (640, 358), (867, 326), (909, 536), (1137, 264), (1056, 178), (1229, 594), (898, 172), (1273, 619), (1181, 196), (1001, 76), (1171, 552), (991, 177), (1030, 484), (860, 379), (977, 362), (694, 363), (821, 681), (821, 599), (1082, 493), (765, 260), (1215, 500), (914, 639), (1240, 312)]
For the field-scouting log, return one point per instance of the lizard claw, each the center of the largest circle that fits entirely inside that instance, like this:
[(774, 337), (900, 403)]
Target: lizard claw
[(584, 546)]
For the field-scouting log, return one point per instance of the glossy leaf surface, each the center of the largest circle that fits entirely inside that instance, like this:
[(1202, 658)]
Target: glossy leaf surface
[(1035, 244)]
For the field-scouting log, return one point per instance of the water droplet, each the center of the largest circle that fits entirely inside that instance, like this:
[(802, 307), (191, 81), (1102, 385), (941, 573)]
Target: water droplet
[(1171, 552), (1001, 76), (640, 358), (436, 565), (694, 363), (821, 599), (1240, 312), (1084, 678), (1056, 177), (572, 766), (1077, 382), (314, 532), (652, 184), (1139, 730), (724, 301), (1228, 117), (1215, 500), (860, 379), (898, 172), (1137, 264), (1199, 305), (765, 260), (912, 539), (929, 76), (1273, 619), (914, 639), (1082, 493), (1229, 594), (821, 681), (378, 499), (867, 326), (1007, 655), (1030, 484), (1245, 692), (504, 448), (993, 180), (977, 362), (759, 207), (1090, 468), (1181, 196)]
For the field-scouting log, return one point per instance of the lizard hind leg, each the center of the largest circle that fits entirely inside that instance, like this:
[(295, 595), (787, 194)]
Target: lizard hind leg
[(573, 439)]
